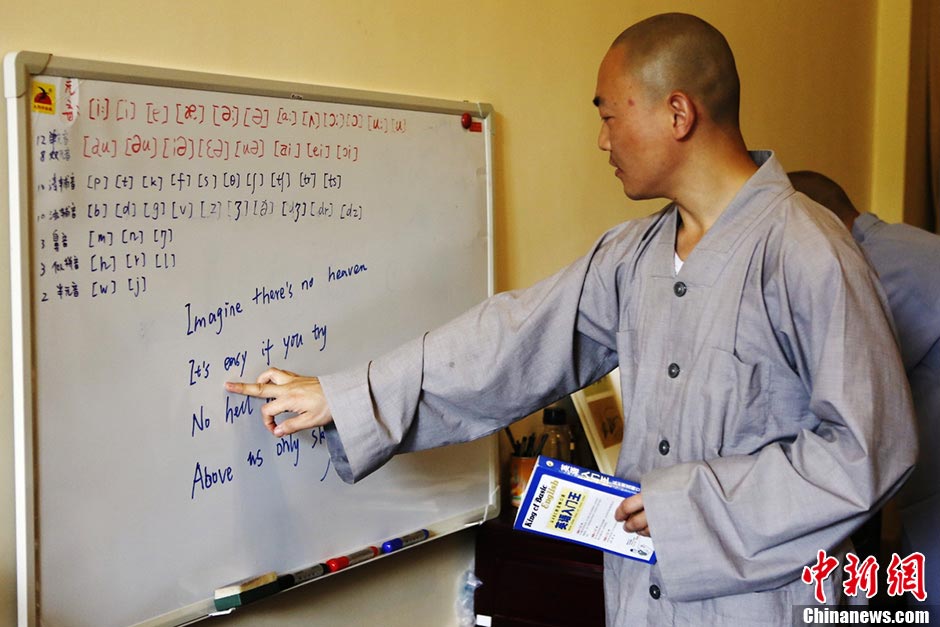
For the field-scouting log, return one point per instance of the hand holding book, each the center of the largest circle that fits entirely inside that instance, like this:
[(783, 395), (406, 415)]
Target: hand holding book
[(579, 505), (633, 516)]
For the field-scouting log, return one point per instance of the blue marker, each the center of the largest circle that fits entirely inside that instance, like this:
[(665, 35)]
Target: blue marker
[(400, 543)]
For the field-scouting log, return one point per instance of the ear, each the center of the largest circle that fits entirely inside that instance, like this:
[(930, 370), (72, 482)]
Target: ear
[(684, 114)]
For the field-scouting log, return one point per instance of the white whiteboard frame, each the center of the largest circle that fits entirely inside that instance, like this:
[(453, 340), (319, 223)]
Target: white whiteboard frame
[(18, 68)]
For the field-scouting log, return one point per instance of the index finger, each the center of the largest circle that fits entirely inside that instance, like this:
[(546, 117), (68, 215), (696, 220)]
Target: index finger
[(257, 390)]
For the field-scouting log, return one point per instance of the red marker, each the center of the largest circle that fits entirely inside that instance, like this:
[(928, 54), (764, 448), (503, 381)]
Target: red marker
[(339, 563)]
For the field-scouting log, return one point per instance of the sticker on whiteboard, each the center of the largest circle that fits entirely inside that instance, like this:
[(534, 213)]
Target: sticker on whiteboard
[(43, 98)]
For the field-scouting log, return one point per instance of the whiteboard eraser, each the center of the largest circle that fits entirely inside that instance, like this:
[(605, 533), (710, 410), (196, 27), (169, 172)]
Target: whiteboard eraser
[(246, 591)]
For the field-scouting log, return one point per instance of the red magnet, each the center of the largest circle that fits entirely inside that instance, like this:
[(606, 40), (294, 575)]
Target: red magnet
[(466, 121)]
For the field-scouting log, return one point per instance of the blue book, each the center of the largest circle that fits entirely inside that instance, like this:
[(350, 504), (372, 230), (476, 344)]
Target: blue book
[(576, 504)]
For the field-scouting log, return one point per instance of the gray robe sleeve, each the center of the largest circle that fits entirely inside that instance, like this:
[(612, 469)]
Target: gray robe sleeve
[(507, 357)]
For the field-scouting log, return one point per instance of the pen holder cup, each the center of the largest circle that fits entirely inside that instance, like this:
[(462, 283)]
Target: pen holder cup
[(520, 469)]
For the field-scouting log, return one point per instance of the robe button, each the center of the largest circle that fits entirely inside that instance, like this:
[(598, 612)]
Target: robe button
[(679, 289), (664, 447), (673, 370), (654, 591)]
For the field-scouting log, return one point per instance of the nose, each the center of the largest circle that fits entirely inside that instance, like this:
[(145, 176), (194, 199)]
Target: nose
[(603, 138)]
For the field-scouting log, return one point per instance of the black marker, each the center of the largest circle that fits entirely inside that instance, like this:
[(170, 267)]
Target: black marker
[(292, 579)]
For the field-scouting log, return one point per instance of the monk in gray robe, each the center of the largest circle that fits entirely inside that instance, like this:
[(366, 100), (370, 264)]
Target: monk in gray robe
[(907, 260), (767, 410)]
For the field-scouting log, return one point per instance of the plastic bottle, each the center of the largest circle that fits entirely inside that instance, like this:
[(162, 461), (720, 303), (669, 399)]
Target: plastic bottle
[(558, 442), (466, 616)]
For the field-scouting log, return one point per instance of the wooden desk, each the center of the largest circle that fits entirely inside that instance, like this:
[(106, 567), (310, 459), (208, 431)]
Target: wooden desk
[(531, 581)]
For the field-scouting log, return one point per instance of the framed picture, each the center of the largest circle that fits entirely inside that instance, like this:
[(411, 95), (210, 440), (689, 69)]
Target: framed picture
[(601, 413)]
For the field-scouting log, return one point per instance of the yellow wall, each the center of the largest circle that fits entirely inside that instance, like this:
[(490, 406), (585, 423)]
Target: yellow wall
[(808, 76), (889, 148)]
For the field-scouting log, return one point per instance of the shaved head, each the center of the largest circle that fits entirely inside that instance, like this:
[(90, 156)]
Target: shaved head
[(680, 52), (826, 192)]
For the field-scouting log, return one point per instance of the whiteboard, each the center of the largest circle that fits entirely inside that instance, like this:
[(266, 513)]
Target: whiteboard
[(174, 230)]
